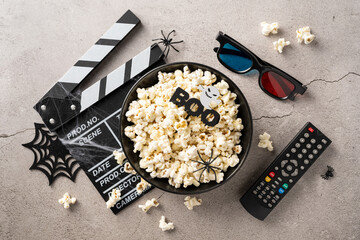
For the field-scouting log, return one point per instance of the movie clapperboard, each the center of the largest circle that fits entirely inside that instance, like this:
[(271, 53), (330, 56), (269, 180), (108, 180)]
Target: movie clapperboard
[(87, 122)]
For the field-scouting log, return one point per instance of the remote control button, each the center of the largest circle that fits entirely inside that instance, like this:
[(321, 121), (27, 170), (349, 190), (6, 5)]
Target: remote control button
[(259, 196), (293, 150), (302, 140), (300, 155), (294, 162), (323, 141), (273, 186), (276, 182), (308, 145), (311, 156), (272, 192), (255, 192), (306, 135), (306, 161), (304, 151), (258, 187), (319, 146), (284, 173), (315, 151), (289, 168), (281, 191), (280, 179), (295, 173), (269, 204), (267, 188), (283, 162), (273, 201), (267, 179), (285, 186), (302, 167), (277, 197), (313, 140), (276, 168), (311, 129), (288, 155), (290, 181), (272, 174), (268, 196), (262, 183), (297, 145), (263, 192), (264, 200)]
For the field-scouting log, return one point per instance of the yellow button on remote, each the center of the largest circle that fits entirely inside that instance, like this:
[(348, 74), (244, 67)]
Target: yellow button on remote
[(267, 179)]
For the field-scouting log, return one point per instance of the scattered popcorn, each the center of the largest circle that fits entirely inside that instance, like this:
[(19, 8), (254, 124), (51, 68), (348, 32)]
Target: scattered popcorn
[(190, 202), (280, 44), (165, 226), (114, 198), (141, 186), (304, 34), (119, 157), (269, 28), (129, 169), (149, 203), (66, 200), (168, 140), (265, 142)]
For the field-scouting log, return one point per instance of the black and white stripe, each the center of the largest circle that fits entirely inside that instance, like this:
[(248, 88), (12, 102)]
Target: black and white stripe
[(108, 41), (90, 60), (119, 76)]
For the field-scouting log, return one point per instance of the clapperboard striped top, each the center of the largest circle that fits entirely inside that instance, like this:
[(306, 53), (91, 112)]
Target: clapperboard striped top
[(91, 59), (119, 76), (101, 48)]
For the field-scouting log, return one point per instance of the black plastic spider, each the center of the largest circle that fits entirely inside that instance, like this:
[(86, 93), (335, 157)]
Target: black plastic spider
[(207, 165), (167, 42), (328, 174)]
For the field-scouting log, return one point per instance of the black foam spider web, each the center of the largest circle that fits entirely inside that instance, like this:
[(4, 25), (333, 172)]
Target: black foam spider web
[(50, 156)]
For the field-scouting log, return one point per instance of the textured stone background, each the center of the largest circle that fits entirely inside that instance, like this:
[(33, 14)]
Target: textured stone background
[(40, 40)]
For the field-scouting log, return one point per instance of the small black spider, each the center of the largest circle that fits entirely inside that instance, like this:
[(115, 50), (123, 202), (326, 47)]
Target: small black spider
[(167, 41), (328, 174), (207, 165)]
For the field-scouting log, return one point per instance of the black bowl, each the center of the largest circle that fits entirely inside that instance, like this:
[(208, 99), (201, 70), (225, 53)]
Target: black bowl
[(151, 79)]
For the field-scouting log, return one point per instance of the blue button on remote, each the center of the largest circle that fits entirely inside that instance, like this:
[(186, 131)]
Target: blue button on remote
[(281, 191)]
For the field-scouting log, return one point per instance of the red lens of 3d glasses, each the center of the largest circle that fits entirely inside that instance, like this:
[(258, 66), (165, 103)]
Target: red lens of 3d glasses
[(276, 84)]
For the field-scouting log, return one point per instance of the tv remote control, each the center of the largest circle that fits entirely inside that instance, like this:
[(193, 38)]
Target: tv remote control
[(287, 168)]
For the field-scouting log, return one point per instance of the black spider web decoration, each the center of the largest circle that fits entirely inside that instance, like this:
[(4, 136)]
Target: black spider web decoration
[(50, 156), (168, 42)]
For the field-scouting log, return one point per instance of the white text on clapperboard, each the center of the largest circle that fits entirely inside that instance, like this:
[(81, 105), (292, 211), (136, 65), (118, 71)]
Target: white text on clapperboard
[(87, 132), (82, 127)]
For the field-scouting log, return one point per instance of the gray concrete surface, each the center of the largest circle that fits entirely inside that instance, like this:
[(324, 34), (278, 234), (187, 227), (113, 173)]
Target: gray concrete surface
[(40, 40)]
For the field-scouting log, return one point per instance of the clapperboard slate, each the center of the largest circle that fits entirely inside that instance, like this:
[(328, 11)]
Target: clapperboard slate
[(87, 122)]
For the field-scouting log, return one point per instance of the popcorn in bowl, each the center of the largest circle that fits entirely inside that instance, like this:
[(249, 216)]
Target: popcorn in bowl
[(176, 144)]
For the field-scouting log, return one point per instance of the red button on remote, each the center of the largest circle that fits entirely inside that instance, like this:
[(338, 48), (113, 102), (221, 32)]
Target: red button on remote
[(272, 174), (311, 130)]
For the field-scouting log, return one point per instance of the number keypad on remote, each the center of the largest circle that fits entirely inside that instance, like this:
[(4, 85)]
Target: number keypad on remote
[(285, 171)]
